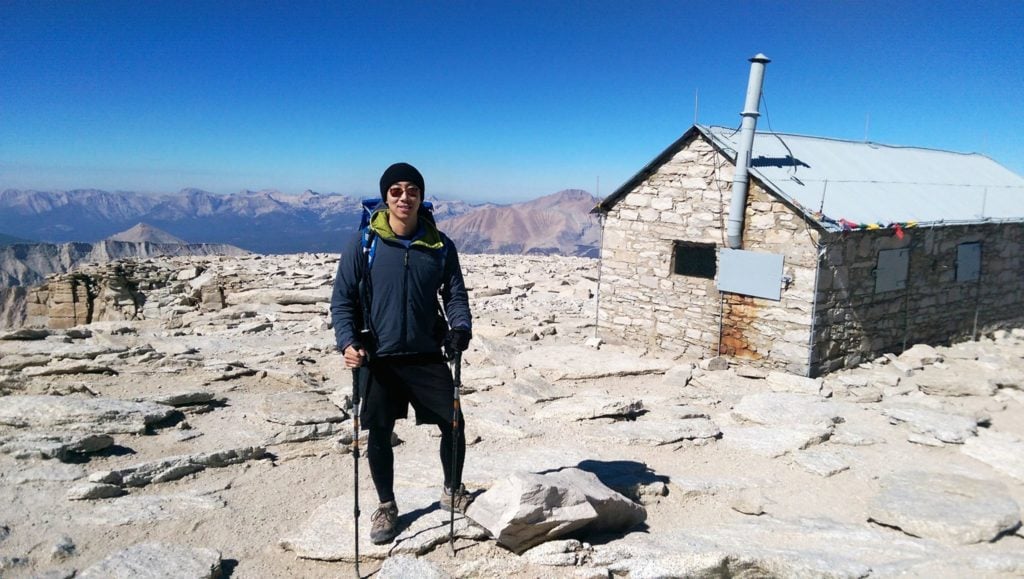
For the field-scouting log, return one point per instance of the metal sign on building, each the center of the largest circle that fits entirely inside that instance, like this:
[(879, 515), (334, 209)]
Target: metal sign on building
[(750, 273)]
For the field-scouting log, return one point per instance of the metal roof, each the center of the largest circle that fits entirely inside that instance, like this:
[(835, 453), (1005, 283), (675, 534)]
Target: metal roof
[(864, 182)]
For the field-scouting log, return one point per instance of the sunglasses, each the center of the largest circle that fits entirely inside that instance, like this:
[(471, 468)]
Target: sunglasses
[(410, 190)]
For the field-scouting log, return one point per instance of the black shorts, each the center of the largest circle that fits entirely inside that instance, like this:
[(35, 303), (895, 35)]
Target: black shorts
[(398, 381)]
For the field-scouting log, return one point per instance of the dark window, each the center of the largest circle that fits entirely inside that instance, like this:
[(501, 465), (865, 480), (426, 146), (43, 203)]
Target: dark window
[(694, 259), (968, 262)]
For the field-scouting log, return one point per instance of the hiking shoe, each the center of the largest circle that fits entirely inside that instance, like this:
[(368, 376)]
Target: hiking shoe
[(461, 499), (384, 523)]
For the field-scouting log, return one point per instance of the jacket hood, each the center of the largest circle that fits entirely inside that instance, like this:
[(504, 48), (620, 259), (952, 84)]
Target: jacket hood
[(428, 236)]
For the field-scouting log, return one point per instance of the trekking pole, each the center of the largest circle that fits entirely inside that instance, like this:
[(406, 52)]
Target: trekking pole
[(357, 403), (457, 379)]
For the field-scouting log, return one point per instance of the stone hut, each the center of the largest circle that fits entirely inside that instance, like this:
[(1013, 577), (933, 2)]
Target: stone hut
[(850, 250)]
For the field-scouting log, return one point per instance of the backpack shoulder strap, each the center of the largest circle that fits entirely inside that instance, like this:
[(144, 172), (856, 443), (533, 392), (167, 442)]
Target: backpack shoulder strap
[(368, 243), (367, 238)]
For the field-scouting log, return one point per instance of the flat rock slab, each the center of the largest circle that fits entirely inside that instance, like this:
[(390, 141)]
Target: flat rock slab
[(535, 389), (48, 471), (498, 420), (483, 378), (821, 462), (764, 547), (60, 351), (24, 334), (565, 553), (943, 426), (947, 383), (1003, 452), (946, 507), (157, 561), (848, 391), (582, 363), (774, 441), (920, 355), (306, 432), (406, 566), (280, 297), (654, 432), (589, 406), (850, 435), (184, 398), (172, 347), (329, 534), (96, 415), (67, 367), (131, 510), (18, 362), (783, 408), (90, 491), (785, 382), (1012, 378), (678, 376), (688, 486), (61, 446), (175, 467), (297, 408)]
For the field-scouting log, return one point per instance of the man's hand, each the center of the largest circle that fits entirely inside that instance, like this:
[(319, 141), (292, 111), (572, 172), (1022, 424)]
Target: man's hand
[(355, 356), (456, 341)]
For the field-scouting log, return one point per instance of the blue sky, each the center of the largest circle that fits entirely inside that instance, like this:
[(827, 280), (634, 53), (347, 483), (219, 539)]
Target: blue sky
[(498, 101)]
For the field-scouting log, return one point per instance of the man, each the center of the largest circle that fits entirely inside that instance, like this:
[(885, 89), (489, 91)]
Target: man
[(387, 315)]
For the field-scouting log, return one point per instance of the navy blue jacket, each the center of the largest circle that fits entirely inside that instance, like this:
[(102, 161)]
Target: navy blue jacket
[(405, 282)]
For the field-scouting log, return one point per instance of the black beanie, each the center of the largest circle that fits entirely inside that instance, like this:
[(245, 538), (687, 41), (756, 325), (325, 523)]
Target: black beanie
[(400, 172)]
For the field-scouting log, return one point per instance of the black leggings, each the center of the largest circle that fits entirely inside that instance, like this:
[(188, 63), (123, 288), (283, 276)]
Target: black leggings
[(382, 458)]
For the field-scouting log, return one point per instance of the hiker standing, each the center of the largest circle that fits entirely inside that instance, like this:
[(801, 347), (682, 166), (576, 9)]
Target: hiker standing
[(385, 314)]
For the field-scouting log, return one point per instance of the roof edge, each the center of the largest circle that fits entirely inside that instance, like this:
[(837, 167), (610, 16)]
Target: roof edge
[(606, 204), (837, 227)]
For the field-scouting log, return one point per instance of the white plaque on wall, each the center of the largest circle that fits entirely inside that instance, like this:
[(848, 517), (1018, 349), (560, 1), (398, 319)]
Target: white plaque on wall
[(750, 273)]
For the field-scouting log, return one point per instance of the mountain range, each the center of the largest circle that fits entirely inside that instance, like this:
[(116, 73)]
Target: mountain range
[(272, 222), (23, 264)]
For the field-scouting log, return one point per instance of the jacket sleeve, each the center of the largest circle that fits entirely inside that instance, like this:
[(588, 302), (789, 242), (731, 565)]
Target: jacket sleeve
[(345, 307), (453, 291)]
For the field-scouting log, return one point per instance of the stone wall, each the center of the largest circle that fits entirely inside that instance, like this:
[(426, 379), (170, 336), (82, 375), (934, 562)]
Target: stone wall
[(643, 301), (855, 323)]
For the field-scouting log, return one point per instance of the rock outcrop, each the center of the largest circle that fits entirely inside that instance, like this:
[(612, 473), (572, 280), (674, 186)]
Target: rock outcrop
[(27, 264)]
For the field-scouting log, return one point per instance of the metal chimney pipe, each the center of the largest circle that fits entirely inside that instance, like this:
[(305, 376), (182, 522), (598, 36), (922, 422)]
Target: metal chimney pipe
[(747, 128)]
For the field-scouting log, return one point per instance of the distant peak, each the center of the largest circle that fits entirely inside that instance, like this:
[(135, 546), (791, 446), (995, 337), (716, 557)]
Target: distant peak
[(564, 198), (573, 194), (144, 232)]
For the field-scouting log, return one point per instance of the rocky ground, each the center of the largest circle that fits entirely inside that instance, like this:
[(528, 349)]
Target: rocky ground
[(211, 440)]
